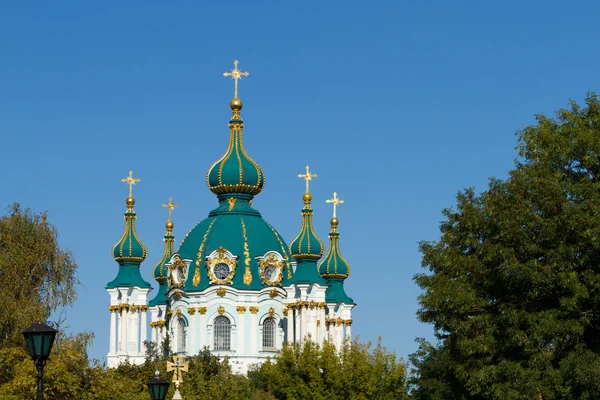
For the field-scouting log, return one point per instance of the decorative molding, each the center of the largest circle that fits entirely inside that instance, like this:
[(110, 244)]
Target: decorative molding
[(253, 309), (285, 312), (191, 311), (221, 310), (113, 309), (271, 311), (221, 291), (274, 260), (202, 310), (219, 256), (178, 312), (241, 309), (273, 293), (196, 279)]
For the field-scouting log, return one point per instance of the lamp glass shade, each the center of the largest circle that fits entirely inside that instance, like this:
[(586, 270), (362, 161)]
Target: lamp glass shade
[(39, 338), (158, 388)]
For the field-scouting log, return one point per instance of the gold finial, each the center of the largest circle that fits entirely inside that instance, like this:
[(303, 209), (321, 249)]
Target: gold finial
[(171, 207), (130, 180), (236, 74), (307, 177), (336, 202)]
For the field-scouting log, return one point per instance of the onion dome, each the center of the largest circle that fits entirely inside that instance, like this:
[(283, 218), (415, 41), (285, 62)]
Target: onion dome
[(307, 245), (334, 267), (235, 172), (129, 251), (159, 272)]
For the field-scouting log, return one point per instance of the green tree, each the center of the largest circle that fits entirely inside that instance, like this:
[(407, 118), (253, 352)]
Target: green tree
[(311, 371), (513, 288), (37, 276)]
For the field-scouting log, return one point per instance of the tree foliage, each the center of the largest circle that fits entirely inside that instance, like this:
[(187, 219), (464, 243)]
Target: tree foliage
[(513, 288), (37, 276)]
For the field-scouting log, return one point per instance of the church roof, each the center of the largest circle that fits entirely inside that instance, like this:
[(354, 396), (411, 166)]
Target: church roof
[(160, 272)]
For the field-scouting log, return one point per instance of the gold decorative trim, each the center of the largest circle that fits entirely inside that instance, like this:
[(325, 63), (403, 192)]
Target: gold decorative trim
[(287, 260), (231, 201), (201, 248), (202, 310), (178, 295), (196, 279), (271, 311), (253, 309), (318, 322), (241, 309), (170, 313), (178, 312), (247, 259), (273, 293), (221, 257), (191, 311), (221, 291), (221, 310), (285, 312), (113, 309), (271, 261)]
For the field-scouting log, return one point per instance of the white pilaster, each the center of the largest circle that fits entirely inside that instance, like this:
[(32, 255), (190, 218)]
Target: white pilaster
[(113, 331), (241, 331), (125, 326), (134, 333), (191, 332), (202, 331), (296, 310), (253, 330), (289, 325), (304, 321), (143, 330)]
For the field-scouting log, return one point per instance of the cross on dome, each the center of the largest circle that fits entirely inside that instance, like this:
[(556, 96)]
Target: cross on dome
[(179, 366), (236, 74), (130, 180), (307, 177), (336, 202), (171, 207)]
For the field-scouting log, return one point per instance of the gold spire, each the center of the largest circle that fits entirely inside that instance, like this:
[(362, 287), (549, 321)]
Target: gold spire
[(307, 177), (336, 202), (130, 180), (236, 74), (171, 207)]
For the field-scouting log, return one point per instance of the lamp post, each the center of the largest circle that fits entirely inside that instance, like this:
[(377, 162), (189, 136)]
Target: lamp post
[(158, 388), (39, 338)]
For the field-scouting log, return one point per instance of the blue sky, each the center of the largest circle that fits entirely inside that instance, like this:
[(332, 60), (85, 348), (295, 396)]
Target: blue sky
[(396, 105)]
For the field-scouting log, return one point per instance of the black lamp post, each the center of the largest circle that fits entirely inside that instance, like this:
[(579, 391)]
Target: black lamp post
[(158, 388), (39, 338)]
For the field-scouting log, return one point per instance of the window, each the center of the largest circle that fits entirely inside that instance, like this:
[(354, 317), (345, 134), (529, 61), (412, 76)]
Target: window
[(222, 333), (269, 333), (180, 335), (221, 271)]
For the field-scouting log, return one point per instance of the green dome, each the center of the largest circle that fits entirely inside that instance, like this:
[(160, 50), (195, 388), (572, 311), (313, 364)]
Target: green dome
[(159, 272), (234, 228), (235, 171), (130, 249), (334, 266), (307, 245), (129, 252)]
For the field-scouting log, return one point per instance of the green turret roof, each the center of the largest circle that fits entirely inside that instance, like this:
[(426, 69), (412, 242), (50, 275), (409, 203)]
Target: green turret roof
[(129, 252), (335, 268), (160, 271), (307, 248), (235, 172)]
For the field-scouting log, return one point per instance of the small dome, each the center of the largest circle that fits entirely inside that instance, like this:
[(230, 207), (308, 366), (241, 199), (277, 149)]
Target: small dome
[(334, 266), (307, 245), (235, 171), (129, 248), (159, 272)]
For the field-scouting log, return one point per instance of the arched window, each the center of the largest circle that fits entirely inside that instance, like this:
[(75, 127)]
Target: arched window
[(222, 340), (268, 338), (180, 335)]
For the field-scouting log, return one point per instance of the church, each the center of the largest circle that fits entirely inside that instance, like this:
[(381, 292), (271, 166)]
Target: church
[(234, 285)]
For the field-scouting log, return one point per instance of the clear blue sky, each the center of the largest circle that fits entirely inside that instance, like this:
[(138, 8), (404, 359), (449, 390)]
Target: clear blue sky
[(396, 105)]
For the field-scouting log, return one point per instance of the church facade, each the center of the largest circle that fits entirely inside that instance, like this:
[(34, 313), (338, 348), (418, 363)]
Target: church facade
[(234, 285)]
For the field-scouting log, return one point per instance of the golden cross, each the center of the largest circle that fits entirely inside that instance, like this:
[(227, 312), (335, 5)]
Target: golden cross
[(336, 202), (130, 180), (179, 366), (171, 207), (307, 177), (236, 74)]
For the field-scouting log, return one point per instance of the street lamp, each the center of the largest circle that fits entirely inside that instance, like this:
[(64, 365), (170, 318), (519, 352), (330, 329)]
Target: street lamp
[(158, 388), (39, 338)]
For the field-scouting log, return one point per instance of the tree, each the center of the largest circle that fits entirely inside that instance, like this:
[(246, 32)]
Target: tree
[(513, 288), (37, 276), (311, 371)]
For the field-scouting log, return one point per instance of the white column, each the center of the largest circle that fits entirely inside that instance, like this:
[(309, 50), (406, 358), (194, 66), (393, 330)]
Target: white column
[(322, 327), (253, 330), (134, 333), (339, 331), (289, 325), (143, 330), (121, 329), (153, 333), (191, 332), (296, 310), (125, 326), (349, 330), (241, 332), (304, 318), (202, 329), (113, 330)]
